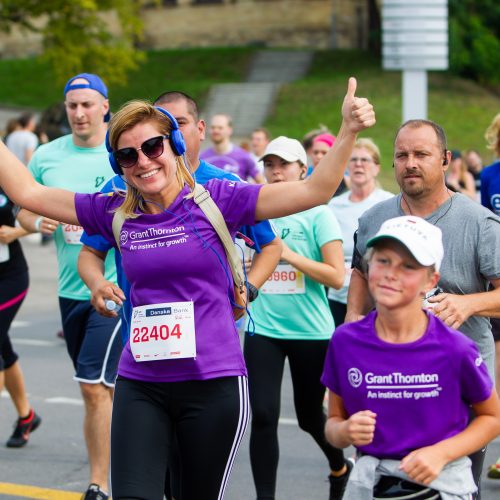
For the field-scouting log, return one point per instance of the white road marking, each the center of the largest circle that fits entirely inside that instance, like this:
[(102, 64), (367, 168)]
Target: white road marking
[(288, 421), (64, 401), (36, 342), (20, 324)]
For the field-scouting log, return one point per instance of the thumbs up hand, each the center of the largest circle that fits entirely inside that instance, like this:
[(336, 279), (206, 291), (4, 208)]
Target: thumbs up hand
[(357, 112)]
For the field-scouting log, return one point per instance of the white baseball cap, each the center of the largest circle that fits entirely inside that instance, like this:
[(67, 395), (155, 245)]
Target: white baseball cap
[(422, 239), (288, 149)]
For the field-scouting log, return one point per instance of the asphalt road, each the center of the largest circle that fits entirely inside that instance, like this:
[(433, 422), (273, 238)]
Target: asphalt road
[(55, 457)]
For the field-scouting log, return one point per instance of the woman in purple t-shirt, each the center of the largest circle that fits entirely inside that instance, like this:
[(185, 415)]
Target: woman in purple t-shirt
[(182, 374), (400, 381)]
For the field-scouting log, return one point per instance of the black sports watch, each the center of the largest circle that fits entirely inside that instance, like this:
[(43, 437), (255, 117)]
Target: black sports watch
[(253, 292)]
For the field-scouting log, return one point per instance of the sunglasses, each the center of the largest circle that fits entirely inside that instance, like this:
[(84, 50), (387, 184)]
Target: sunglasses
[(152, 148)]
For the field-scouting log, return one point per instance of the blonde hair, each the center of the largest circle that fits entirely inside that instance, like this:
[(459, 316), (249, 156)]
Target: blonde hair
[(130, 115), (492, 135), (371, 147)]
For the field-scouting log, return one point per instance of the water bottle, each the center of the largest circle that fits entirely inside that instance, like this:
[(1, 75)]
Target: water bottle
[(111, 305)]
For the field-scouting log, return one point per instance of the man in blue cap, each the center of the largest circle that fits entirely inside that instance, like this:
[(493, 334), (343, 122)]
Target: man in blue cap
[(79, 162)]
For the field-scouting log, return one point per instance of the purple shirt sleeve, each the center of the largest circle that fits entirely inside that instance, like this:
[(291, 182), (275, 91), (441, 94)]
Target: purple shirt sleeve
[(95, 213), (236, 200), (474, 378)]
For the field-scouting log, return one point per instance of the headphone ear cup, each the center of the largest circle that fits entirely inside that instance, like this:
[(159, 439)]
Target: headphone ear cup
[(176, 138), (177, 142), (116, 168)]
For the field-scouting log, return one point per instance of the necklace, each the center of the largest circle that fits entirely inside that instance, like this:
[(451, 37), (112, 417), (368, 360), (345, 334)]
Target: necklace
[(439, 218)]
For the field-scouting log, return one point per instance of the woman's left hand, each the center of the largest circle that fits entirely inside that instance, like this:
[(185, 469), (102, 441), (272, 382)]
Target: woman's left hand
[(8, 234), (357, 112), (423, 465)]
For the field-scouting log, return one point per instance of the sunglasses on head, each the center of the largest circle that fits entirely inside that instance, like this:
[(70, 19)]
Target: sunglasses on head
[(152, 148)]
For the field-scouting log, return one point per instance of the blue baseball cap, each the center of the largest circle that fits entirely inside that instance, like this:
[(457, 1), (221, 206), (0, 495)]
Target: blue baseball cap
[(94, 83)]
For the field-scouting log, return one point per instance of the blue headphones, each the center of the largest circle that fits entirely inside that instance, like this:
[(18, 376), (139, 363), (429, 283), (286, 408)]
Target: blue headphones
[(176, 142)]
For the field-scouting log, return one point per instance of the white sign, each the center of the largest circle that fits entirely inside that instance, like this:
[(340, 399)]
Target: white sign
[(420, 25), (413, 2), (416, 51), (426, 11), (415, 34), (399, 37), (430, 63)]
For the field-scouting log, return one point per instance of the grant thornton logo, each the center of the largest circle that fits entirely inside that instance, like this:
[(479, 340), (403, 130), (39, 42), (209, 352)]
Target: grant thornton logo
[(355, 377), (123, 237)]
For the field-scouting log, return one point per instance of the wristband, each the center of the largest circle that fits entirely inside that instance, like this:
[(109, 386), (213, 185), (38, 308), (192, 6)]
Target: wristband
[(38, 223), (253, 292)]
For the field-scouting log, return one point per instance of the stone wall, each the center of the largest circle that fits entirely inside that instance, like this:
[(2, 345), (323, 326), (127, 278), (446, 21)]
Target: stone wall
[(272, 23)]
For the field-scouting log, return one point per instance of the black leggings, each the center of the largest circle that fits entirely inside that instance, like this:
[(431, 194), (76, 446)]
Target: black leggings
[(265, 358), (13, 290), (207, 418)]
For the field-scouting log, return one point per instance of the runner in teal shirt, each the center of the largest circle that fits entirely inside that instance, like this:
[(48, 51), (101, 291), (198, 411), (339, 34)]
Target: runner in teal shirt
[(293, 320)]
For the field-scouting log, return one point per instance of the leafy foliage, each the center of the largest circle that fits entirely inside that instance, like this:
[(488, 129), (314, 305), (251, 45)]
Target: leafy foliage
[(80, 35), (474, 39)]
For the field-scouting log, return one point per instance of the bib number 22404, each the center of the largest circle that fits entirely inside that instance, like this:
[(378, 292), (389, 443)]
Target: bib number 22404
[(163, 331)]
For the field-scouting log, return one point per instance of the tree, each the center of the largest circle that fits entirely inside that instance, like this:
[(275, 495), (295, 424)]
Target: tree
[(474, 39), (98, 36)]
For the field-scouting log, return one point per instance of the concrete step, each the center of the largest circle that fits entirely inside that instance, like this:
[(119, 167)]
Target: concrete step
[(279, 66), (247, 103)]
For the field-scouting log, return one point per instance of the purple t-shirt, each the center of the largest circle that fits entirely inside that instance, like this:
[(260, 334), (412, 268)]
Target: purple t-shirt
[(177, 256), (420, 391), (237, 161)]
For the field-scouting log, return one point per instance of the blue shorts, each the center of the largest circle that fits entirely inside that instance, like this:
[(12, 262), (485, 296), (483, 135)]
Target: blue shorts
[(93, 342)]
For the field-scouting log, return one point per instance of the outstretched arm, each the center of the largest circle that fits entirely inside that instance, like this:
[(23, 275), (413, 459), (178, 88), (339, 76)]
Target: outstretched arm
[(285, 198), (23, 190)]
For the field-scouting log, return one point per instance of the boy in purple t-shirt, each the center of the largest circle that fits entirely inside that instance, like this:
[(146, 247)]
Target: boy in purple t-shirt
[(400, 381)]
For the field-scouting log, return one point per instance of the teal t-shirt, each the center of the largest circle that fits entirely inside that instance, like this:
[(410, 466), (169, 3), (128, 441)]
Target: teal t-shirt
[(85, 170), (300, 316)]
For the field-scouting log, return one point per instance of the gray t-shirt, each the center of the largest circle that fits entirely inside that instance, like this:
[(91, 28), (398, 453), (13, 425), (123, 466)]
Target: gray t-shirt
[(21, 141), (471, 240)]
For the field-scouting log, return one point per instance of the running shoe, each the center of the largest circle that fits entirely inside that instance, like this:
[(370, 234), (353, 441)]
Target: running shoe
[(494, 470), (22, 429), (338, 484), (94, 493)]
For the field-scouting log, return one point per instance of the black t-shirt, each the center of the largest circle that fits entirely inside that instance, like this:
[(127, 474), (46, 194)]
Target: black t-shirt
[(16, 262)]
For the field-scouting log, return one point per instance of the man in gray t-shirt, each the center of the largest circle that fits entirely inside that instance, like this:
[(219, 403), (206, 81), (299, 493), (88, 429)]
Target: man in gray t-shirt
[(471, 239)]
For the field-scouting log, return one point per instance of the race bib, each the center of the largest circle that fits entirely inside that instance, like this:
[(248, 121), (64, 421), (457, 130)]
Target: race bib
[(4, 252), (72, 234), (285, 280), (163, 331)]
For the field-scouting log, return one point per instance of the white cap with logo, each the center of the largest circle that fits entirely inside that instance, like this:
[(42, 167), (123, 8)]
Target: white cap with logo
[(422, 239), (288, 149)]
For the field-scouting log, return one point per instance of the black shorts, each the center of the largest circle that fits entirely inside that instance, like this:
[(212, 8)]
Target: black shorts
[(93, 341)]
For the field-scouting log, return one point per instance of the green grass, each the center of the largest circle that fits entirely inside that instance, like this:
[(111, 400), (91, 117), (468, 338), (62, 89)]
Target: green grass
[(462, 107), (30, 83)]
